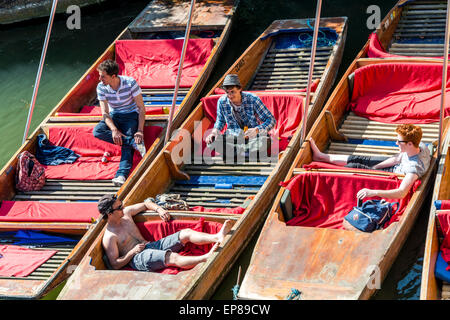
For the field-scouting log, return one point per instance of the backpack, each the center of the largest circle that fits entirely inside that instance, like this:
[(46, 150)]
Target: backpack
[(371, 215), (30, 174), (170, 201)]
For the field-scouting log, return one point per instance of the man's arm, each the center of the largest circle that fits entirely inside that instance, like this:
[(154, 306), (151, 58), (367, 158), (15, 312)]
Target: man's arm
[(267, 118), (398, 193), (112, 251), (139, 135), (392, 161), (116, 134), (147, 205)]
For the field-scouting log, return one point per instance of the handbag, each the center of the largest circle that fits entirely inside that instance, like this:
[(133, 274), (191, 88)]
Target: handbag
[(371, 215)]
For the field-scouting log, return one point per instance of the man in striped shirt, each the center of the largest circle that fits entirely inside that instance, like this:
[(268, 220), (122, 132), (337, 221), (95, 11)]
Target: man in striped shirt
[(123, 114)]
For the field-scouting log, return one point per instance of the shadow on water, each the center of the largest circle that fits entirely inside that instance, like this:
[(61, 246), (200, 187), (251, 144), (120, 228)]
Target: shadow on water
[(72, 52)]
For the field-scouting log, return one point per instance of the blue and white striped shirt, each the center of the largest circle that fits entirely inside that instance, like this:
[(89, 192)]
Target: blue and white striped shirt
[(122, 100), (252, 111)]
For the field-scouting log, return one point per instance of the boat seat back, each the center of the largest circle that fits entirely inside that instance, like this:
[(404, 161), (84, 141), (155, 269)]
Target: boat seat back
[(351, 82), (286, 205)]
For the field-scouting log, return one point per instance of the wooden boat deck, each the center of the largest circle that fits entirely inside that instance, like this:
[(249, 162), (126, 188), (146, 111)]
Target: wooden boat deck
[(287, 69), (420, 30), (333, 263), (170, 17)]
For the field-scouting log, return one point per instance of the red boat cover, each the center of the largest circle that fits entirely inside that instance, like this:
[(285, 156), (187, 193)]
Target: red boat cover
[(445, 204), (235, 210), (155, 230), (28, 211), (154, 63), (16, 261), (444, 221), (322, 199), (96, 111), (89, 166), (376, 50), (287, 110), (399, 92)]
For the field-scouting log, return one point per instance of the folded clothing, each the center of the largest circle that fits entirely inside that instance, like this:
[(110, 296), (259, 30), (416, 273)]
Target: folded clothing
[(16, 261), (49, 154)]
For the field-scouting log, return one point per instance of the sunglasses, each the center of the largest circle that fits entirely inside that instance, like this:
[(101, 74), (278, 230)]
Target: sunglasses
[(118, 208), (402, 141)]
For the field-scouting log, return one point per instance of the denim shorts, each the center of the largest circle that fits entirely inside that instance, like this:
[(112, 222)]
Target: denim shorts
[(153, 257)]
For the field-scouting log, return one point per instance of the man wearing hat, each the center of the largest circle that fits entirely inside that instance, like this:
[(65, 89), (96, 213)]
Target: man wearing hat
[(243, 112)]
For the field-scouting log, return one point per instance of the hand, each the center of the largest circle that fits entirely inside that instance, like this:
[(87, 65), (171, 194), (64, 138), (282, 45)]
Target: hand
[(251, 133), (365, 193), (139, 247), (138, 137), (210, 139), (117, 136), (164, 214)]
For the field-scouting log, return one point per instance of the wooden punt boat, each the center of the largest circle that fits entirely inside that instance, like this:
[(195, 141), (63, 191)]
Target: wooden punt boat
[(210, 17), (433, 288), (257, 179), (410, 29), (332, 263)]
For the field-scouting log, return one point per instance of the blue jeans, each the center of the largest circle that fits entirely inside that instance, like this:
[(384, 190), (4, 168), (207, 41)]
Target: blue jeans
[(127, 123)]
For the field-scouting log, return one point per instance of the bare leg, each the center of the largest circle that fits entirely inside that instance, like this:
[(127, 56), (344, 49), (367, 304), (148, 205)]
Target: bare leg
[(337, 159), (186, 262), (189, 235)]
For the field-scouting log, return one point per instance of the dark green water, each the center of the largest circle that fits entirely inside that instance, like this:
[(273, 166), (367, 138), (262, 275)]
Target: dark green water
[(72, 52)]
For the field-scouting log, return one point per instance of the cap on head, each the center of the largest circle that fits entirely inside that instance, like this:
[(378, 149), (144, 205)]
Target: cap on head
[(106, 203), (231, 80)]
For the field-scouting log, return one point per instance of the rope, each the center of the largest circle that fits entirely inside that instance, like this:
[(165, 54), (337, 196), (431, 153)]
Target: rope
[(294, 295), (306, 39), (235, 291)]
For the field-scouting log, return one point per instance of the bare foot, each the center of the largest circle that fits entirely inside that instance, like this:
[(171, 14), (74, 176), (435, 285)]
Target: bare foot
[(224, 231), (209, 254), (317, 155)]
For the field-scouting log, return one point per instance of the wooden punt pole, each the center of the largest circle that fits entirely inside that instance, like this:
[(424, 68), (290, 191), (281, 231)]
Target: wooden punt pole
[(444, 79), (41, 66), (311, 70), (180, 70)]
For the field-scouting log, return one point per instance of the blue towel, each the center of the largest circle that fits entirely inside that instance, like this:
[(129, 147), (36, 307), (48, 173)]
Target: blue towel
[(51, 155), (29, 237)]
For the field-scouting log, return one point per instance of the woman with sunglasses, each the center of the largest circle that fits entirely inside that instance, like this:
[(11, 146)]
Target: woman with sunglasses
[(413, 161)]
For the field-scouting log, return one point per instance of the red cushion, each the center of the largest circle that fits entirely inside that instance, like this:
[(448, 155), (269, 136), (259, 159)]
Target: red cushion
[(17, 261), (89, 166), (399, 92), (155, 230), (28, 211), (154, 63), (322, 199), (444, 221)]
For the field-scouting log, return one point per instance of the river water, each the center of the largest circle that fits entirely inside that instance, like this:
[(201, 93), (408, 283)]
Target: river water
[(72, 52)]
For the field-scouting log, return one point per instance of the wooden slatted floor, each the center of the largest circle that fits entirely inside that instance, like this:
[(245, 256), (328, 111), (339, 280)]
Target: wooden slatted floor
[(209, 197), (421, 25), (287, 69), (355, 127), (69, 190), (446, 291)]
